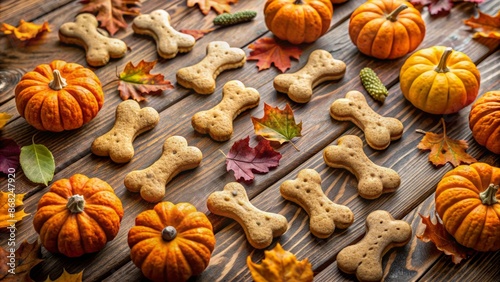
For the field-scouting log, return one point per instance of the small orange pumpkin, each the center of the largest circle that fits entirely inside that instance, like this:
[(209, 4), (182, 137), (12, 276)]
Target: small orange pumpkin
[(467, 202), (59, 96), (298, 21), (78, 216), (171, 242), (484, 121)]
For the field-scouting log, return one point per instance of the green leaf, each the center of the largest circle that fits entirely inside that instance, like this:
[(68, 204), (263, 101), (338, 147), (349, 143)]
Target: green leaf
[(37, 163)]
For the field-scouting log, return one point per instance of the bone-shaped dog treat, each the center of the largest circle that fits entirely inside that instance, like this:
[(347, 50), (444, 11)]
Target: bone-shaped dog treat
[(379, 130), (130, 121), (324, 215), (177, 156), (373, 180), (220, 57), (83, 32), (218, 121), (168, 40), (260, 227), (320, 67), (365, 257)]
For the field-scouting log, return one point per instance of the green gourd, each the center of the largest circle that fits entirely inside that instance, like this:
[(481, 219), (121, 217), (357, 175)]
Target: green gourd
[(373, 85), (231, 19)]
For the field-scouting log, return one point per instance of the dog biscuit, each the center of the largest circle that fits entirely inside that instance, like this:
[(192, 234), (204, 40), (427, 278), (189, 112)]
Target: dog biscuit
[(218, 121), (99, 48), (168, 40), (324, 215), (177, 156), (373, 180), (379, 130), (365, 258), (260, 227), (320, 67), (201, 76)]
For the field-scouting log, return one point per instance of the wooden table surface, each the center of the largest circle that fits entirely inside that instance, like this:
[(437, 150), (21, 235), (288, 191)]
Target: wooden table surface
[(71, 150)]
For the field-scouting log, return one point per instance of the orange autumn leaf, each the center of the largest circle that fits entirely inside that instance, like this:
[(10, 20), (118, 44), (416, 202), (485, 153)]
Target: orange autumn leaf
[(279, 265), (110, 12), (66, 277), (487, 26), (267, 51), (26, 257), (444, 149), (220, 6), (9, 209), (197, 33), (25, 30)]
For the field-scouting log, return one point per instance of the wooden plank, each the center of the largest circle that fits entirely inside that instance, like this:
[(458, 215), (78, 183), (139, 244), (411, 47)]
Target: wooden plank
[(13, 11)]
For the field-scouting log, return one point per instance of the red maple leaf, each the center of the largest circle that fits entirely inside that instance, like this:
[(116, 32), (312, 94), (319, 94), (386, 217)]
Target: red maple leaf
[(267, 51), (9, 155), (110, 12)]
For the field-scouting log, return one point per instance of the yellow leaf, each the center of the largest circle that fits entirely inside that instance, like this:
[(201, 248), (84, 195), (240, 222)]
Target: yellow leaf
[(279, 265), (4, 118), (25, 30), (8, 212), (66, 277)]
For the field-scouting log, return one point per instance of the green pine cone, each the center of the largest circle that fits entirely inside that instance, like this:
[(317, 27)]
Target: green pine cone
[(238, 17), (373, 85)]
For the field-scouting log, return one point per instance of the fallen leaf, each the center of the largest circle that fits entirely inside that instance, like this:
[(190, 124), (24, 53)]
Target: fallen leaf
[(25, 30), (279, 265), (110, 12), (267, 51), (136, 81), (436, 7), (4, 118), (37, 163), (437, 234), (9, 215), (197, 33), (26, 257), (66, 277), (444, 149), (488, 26), (220, 6), (9, 155), (277, 125)]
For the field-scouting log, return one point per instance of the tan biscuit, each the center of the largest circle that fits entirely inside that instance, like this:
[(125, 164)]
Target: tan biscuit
[(99, 48), (320, 67), (365, 258), (324, 215), (220, 57), (168, 40), (260, 227), (130, 121), (177, 156), (373, 180), (379, 130), (218, 121)]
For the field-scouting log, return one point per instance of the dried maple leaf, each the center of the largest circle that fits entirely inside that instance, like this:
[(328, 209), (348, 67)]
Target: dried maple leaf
[(9, 215), (267, 51), (242, 159), (437, 234), (26, 257), (4, 118), (66, 277), (9, 155), (444, 149), (279, 265), (110, 12), (197, 33), (487, 25), (135, 81), (25, 30), (220, 6)]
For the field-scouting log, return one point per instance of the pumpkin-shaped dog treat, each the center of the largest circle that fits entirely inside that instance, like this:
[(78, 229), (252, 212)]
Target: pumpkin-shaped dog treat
[(59, 96), (78, 215), (171, 242), (484, 121)]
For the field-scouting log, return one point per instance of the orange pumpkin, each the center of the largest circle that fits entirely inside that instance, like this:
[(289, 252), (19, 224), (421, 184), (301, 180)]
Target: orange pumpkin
[(78, 216), (386, 29), (171, 242), (484, 121), (59, 96), (467, 202), (298, 21), (439, 80)]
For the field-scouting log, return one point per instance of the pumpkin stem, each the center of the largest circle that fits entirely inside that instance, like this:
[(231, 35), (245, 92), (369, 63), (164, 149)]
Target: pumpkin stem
[(298, 2), (393, 16), (76, 203), (59, 82), (488, 196), (168, 233), (441, 67)]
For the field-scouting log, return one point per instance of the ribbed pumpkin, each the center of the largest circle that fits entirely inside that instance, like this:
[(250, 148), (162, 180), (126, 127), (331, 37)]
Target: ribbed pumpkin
[(171, 242), (484, 121), (298, 21), (386, 29), (78, 216), (59, 96), (467, 202), (439, 80)]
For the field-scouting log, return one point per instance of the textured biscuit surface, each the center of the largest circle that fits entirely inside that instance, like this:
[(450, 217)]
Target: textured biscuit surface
[(260, 227), (373, 180)]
